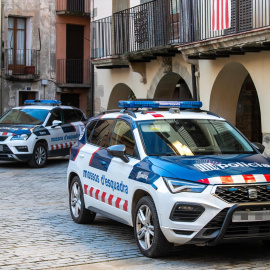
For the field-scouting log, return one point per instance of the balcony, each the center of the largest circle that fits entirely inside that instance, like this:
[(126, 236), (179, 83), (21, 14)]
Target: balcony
[(22, 65), (73, 7), (248, 30), (158, 28), (138, 34), (73, 73)]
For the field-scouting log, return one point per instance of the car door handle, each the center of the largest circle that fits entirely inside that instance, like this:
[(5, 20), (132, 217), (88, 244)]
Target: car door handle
[(81, 155)]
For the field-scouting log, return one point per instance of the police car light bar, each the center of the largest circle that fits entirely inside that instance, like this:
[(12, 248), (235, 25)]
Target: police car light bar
[(160, 104), (42, 102)]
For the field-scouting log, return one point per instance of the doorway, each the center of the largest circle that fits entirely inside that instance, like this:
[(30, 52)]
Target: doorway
[(74, 54), (26, 95), (248, 116)]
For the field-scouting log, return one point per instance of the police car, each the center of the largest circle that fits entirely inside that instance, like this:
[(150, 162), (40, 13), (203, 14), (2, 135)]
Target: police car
[(39, 129), (178, 176)]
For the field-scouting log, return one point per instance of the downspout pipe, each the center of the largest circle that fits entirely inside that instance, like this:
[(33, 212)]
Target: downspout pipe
[(194, 64)]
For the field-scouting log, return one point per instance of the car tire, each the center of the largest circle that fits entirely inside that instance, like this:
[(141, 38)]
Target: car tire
[(39, 156), (77, 208), (149, 237)]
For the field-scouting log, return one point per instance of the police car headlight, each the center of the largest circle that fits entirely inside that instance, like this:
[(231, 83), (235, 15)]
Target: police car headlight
[(22, 137), (178, 185)]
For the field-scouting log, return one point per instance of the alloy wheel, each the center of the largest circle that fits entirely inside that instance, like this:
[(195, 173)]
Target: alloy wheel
[(145, 227)]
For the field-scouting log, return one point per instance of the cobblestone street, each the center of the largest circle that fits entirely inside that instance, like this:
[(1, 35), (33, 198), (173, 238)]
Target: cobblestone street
[(37, 232)]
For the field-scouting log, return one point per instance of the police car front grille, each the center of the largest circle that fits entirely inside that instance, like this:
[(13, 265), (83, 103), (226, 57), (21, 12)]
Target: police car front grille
[(241, 194), (2, 138), (6, 150)]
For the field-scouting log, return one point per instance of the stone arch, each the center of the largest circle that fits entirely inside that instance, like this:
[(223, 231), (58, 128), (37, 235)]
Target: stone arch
[(120, 91), (234, 97), (177, 69), (226, 90), (172, 85)]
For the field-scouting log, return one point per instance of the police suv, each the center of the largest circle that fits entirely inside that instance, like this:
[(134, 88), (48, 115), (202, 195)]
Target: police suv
[(39, 129), (178, 176)]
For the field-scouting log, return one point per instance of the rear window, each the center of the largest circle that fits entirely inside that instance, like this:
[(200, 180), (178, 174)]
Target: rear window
[(70, 116)]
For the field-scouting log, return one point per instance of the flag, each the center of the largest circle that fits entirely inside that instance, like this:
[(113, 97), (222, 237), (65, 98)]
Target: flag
[(221, 14)]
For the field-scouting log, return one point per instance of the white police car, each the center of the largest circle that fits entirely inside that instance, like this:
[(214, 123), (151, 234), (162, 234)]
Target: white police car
[(180, 176), (39, 129)]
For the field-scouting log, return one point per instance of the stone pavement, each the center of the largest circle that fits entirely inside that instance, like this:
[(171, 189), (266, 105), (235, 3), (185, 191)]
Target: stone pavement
[(37, 232)]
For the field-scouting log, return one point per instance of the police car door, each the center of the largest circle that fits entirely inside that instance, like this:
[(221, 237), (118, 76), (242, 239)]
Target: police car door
[(94, 162), (72, 127), (116, 180), (56, 138)]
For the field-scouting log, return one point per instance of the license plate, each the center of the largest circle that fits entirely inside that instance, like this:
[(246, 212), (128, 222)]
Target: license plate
[(249, 216), (1, 148)]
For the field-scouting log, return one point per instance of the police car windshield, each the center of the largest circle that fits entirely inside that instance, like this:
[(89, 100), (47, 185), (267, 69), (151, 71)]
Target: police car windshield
[(24, 116), (189, 137)]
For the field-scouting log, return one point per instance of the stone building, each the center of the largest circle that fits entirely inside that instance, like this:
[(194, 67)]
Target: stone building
[(171, 49), (42, 58), (28, 51)]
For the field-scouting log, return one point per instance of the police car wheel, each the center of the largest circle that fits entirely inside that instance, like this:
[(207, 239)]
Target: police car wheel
[(39, 156), (77, 208), (148, 234)]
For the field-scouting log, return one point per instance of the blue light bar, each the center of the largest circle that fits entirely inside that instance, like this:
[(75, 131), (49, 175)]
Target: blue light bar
[(160, 104), (42, 102)]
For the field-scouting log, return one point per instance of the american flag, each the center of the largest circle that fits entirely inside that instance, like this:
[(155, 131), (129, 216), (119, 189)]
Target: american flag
[(221, 14)]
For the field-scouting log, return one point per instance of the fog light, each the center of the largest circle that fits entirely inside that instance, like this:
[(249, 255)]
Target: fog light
[(22, 148), (186, 212)]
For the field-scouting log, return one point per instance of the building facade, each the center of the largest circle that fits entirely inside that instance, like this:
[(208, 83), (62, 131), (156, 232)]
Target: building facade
[(45, 52), (170, 49), (28, 51), (73, 68)]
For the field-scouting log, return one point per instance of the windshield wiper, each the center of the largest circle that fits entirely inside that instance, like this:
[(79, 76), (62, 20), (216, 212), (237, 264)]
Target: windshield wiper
[(163, 154)]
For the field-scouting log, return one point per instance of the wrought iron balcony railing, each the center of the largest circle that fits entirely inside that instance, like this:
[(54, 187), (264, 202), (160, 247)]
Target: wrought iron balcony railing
[(73, 71), (22, 63), (162, 23), (197, 24), (73, 6), (143, 27)]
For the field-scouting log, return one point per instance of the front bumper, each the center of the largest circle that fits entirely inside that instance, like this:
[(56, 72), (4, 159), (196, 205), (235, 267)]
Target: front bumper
[(9, 152), (210, 221), (13, 157), (222, 228)]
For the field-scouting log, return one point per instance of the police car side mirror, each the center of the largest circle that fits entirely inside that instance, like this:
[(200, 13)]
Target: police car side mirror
[(118, 151), (259, 147), (56, 123)]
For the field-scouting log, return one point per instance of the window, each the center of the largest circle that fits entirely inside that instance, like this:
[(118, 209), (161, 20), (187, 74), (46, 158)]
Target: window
[(55, 115), (102, 133), (16, 44), (122, 134), (80, 115), (90, 128), (70, 116)]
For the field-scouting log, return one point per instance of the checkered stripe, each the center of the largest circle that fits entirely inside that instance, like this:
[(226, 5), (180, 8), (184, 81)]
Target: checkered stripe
[(62, 145), (6, 134), (237, 179), (106, 198)]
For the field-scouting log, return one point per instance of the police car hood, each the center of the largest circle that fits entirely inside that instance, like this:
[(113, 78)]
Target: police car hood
[(214, 168), (16, 129)]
